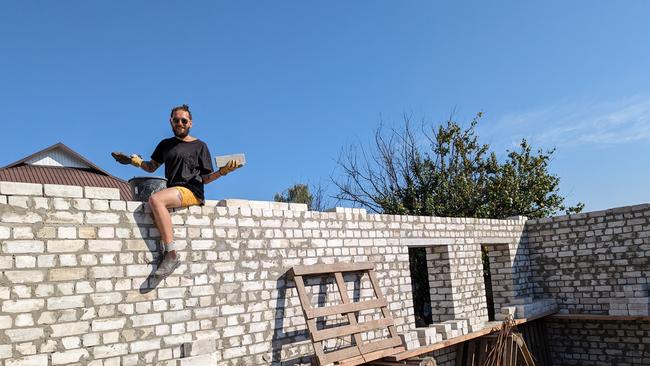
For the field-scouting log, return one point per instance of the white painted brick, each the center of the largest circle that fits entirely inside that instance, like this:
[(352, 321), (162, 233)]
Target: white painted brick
[(24, 334), (68, 329), (21, 189), (102, 193), (69, 232), (65, 302), (232, 309), (23, 232), (106, 232), (65, 217), (87, 232), (57, 190), (5, 232), (100, 325), (21, 306), (5, 351), (107, 272), (24, 276), (35, 360), (210, 359), (75, 355), (106, 298), (102, 218), (233, 352), (203, 244), (25, 261), (138, 270), (19, 201), (177, 316), (146, 319), (110, 350), (67, 274), (142, 346), (23, 246), (104, 245)]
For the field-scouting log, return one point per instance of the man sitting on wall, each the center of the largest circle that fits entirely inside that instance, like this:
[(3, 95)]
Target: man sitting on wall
[(188, 167)]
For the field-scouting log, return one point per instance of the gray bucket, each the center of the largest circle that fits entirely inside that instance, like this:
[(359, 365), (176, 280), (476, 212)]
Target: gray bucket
[(143, 187)]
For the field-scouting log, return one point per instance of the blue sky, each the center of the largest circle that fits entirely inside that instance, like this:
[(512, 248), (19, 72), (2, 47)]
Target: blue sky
[(291, 83)]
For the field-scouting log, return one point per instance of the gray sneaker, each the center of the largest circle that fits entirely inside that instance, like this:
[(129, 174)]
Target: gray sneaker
[(166, 267)]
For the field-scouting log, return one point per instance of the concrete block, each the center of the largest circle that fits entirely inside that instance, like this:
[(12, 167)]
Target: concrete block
[(209, 359), (199, 347), (57, 190), (142, 346), (102, 193), (68, 329), (22, 306), (62, 246), (23, 246), (74, 355), (21, 189), (35, 360)]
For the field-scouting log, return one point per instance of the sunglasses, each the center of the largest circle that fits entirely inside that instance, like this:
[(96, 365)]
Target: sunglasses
[(184, 121)]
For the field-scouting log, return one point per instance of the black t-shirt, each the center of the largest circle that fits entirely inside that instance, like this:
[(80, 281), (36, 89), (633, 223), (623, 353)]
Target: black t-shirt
[(185, 163)]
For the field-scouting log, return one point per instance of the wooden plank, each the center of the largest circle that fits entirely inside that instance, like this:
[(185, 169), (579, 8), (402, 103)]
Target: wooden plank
[(460, 353), (345, 308), (351, 352), (346, 330), (524, 352), (371, 356), (450, 342), (471, 357), (384, 309), (352, 318), (482, 350), (321, 269), (599, 317), (311, 323)]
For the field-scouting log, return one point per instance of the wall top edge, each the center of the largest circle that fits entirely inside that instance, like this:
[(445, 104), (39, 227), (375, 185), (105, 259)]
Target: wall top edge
[(590, 214), (79, 192)]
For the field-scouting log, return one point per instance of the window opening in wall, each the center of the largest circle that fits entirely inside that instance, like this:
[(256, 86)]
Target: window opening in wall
[(487, 279), (420, 286)]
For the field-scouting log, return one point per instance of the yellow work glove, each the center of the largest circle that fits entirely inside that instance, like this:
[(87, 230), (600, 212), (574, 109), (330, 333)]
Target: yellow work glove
[(229, 167), (136, 160), (122, 158)]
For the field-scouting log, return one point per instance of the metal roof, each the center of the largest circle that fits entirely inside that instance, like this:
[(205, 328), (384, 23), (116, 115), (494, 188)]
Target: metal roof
[(93, 176), (64, 176)]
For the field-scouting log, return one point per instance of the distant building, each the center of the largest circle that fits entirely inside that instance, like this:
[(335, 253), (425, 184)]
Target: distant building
[(58, 164)]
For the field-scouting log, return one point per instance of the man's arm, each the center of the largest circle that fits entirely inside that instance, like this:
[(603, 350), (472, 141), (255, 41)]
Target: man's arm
[(136, 160), (149, 166), (229, 167), (211, 177)]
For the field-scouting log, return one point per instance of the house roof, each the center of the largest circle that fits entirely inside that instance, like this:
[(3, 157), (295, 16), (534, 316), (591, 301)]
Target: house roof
[(58, 164)]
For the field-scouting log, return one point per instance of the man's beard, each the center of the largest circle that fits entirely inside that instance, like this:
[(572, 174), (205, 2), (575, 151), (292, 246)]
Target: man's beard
[(181, 135)]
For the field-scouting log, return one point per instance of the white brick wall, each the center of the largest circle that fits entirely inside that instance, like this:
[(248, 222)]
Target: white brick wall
[(77, 269)]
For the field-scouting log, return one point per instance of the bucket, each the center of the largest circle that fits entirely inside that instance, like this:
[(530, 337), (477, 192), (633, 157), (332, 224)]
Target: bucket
[(143, 187)]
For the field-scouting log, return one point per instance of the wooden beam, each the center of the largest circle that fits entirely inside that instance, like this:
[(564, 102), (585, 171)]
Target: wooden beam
[(322, 269), (599, 317), (450, 342), (345, 308), (346, 330)]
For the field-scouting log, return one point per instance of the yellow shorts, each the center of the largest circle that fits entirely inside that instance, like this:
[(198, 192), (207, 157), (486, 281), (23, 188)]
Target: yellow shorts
[(187, 197)]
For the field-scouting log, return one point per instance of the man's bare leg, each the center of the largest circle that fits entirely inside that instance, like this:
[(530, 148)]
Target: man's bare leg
[(160, 204)]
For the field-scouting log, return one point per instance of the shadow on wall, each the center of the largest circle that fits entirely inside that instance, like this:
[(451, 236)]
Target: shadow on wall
[(151, 282), (325, 294), (280, 337)]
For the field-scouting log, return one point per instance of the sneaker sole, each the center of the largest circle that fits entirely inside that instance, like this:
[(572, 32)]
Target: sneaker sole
[(158, 276)]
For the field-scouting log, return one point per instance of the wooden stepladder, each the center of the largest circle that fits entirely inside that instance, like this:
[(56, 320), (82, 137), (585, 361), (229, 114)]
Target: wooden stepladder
[(359, 352)]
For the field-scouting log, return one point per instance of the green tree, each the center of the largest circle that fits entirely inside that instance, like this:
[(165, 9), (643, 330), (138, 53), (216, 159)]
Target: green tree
[(301, 193), (455, 176), (451, 175)]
